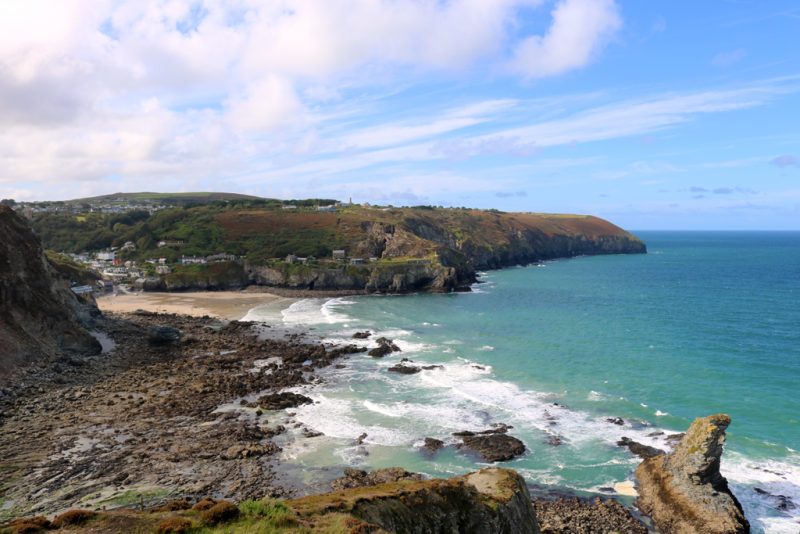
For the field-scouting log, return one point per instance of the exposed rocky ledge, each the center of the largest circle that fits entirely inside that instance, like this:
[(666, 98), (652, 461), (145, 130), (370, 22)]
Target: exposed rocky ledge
[(489, 501), (684, 491)]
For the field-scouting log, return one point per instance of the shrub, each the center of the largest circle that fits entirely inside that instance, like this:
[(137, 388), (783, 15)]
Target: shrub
[(221, 512), (29, 525), (172, 506), (73, 517), (174, 525), (204, 504), (275, 511)]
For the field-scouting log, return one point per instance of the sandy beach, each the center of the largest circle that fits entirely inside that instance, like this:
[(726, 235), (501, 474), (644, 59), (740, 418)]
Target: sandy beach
[(231, 305)]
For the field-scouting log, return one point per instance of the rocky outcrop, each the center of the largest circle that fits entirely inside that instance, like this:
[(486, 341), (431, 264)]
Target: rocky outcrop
[(684, 491), (385, 346), (356, 478), (489, 501), (639, 449), (492, 445), (40, 318)]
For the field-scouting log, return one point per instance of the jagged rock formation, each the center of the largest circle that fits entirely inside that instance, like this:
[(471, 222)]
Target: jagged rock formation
[(489, 501), (40, 318), (356, 478), (684, 491)]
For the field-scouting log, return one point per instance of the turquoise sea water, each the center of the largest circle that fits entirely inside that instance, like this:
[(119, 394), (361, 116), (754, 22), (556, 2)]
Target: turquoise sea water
[(704, 323)]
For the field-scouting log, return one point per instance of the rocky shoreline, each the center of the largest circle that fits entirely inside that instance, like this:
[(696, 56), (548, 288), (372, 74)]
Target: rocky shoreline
[(182, 407), (149, 419)]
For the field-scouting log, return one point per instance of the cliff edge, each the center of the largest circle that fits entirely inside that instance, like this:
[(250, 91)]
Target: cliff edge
[(489, 501), (684, 491), (40, 318)]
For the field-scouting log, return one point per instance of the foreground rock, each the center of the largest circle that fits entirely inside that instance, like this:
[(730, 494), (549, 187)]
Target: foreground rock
[(576, 516), (489, 501), (684, 491)]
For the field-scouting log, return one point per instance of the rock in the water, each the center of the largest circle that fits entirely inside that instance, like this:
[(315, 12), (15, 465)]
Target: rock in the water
[(639, 449), (432, 446), (355, 478), (280, 401), (493, 447), (684, 491), (405, 369), (385, 346), (362, 335), (163, 335), (616, 420), (555, 441)]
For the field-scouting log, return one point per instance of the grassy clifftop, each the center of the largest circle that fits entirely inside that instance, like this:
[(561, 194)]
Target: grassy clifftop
[(452, 242)]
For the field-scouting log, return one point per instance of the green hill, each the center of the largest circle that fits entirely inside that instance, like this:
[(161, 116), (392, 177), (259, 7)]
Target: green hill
[(167, 198)]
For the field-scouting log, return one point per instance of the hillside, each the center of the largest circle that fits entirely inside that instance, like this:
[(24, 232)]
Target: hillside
[(387, 249)]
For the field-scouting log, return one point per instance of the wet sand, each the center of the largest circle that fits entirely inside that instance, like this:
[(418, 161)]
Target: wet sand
[(231, 305)]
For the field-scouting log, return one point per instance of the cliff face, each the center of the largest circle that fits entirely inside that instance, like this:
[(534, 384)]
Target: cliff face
[(415, 249), (684, 491), (39, 316), (489, 501)]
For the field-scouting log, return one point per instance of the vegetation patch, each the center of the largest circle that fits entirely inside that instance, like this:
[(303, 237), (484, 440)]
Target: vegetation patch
[(73, 517), (221, 512)]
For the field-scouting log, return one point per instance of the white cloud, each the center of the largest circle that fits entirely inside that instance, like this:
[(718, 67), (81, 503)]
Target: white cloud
[(580, 28), (133, 89)]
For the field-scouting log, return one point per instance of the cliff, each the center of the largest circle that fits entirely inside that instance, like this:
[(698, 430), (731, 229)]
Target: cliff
[(684, 491), (489, 501), (394, 250), (40, 318)]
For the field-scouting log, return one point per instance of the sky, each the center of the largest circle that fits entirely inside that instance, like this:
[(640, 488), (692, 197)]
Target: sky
[(657, 114)]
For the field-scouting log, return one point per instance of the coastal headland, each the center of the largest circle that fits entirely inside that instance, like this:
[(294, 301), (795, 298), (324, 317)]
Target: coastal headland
[(305, 246)]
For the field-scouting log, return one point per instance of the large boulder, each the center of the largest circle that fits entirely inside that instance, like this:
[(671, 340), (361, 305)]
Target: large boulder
[(493, 445), (684, 491), (489, 501)]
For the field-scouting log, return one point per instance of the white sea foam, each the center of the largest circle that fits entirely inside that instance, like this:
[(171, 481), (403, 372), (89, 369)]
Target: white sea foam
[(316, 311), (775, 478), (659, 413), (486, 348)]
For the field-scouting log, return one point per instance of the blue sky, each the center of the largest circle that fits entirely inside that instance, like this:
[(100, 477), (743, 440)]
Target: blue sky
[(655, 115)]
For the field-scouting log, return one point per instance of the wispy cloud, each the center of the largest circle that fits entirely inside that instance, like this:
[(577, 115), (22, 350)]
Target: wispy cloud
[(786, 160), (726, 59)]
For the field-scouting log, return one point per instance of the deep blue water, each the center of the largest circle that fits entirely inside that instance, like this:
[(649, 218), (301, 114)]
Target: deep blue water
[(706, 322)]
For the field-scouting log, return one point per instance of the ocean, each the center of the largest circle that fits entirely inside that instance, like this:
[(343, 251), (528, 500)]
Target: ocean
[(706, 322)]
